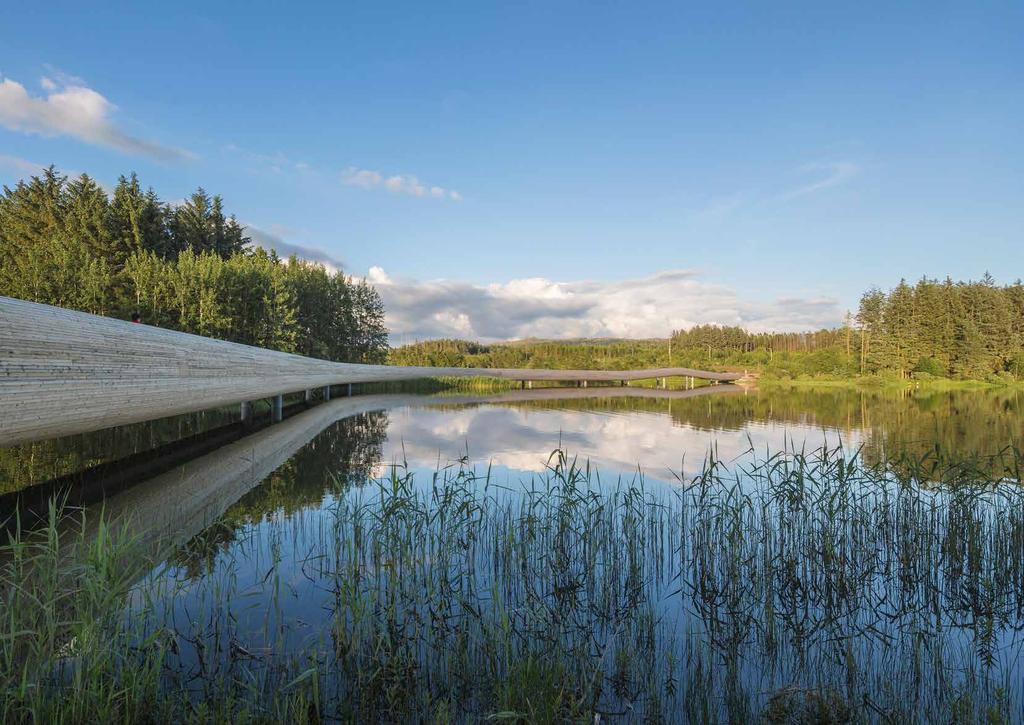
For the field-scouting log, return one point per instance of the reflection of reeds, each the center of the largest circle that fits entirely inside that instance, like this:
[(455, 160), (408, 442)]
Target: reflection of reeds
[(802, 586)]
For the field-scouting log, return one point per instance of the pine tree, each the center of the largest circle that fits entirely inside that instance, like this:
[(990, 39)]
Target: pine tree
[(85, 220), (137, 220), (192, 225), (31, 219), (899, 322), (869, 317)]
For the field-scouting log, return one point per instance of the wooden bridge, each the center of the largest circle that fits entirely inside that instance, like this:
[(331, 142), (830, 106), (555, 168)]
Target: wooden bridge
[(64, 372)]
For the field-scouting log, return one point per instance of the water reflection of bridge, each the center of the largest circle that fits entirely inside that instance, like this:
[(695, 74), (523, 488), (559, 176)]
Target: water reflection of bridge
[(180, 503), (64, 372)]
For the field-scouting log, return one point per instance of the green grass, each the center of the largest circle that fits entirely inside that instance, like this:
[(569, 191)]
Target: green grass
[(886, 382), (799, 586)]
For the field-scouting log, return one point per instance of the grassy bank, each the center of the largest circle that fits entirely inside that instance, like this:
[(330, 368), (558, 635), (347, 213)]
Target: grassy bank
[(798, 585), (894, 383), (767, 381)]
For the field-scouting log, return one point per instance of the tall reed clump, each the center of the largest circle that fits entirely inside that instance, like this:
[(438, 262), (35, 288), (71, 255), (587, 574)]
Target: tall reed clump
[(800, 586), (66, 655)]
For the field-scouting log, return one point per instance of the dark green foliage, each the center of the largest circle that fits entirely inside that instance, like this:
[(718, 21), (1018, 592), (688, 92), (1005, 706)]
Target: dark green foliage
[(187, 268), (967, 330), (930, 366), (964, 329), (199, 224), (1016, 367), (137, 220)]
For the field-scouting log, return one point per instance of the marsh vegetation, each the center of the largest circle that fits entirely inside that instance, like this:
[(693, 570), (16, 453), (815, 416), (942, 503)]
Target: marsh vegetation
[(782, 585)]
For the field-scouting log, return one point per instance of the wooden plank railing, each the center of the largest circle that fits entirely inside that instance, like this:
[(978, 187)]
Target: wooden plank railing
[(64, 372)]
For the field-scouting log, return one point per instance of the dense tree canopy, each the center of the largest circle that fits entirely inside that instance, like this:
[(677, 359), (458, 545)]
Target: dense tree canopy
[(188, 267), (965, 330)]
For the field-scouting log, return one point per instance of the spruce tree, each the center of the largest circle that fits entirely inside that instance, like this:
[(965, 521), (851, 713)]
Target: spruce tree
[(86, 220), (136, 219)]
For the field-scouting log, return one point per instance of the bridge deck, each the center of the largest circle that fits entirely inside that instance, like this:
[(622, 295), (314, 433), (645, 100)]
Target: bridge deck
[(65, 372)]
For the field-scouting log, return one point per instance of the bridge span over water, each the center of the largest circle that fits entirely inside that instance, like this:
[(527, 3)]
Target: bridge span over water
[(64, 372)]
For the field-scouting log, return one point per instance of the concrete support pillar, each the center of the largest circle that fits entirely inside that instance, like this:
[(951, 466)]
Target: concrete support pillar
[(584, 383), (247, 413), (529, 385), (276, 409), (348, 390), (327, 393), (309, 396)]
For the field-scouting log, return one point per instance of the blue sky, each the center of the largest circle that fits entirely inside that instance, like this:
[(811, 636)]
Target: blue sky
[(556, 168)]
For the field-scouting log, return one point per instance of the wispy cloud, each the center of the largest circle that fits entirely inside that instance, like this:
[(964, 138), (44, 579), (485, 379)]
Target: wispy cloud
[(68, 107), (396, 184), (273, 240), (278, 162), (538, 307), (829, 174), (816, 177), (21, 166)]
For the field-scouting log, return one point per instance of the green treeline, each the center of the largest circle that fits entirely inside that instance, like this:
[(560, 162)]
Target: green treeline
[(187, 267), (933, 329), (558, 355), (963, 330)]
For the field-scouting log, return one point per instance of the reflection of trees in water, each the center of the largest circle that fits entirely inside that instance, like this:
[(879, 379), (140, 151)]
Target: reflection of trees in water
[(342, 455), (959, 424), (32, 463)]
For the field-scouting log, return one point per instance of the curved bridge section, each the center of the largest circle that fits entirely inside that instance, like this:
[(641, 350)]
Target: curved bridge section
[(64, 372)]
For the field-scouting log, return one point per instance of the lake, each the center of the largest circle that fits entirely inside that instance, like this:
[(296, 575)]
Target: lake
[(719, 554)]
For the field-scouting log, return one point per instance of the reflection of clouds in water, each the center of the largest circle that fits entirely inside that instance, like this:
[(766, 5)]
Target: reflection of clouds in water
[(523, 438)]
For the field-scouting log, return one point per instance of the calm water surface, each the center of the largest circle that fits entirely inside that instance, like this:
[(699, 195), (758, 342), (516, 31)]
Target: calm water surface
[(258, 578), (655, 432)]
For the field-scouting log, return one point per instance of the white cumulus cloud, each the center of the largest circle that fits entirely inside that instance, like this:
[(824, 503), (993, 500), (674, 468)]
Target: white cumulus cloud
[(70, 108), (395, 183), (539, 307)]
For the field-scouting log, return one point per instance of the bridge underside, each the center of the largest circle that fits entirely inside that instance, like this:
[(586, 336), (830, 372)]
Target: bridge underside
[(64, 372)]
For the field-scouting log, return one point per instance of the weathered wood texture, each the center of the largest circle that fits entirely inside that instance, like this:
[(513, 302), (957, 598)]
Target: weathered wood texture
[(65, 372)]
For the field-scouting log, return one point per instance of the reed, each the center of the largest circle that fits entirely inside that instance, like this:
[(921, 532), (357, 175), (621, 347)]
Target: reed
[(794, 586)]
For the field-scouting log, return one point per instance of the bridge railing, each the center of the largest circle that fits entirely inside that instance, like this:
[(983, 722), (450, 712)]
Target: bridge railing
[(64, 372)]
